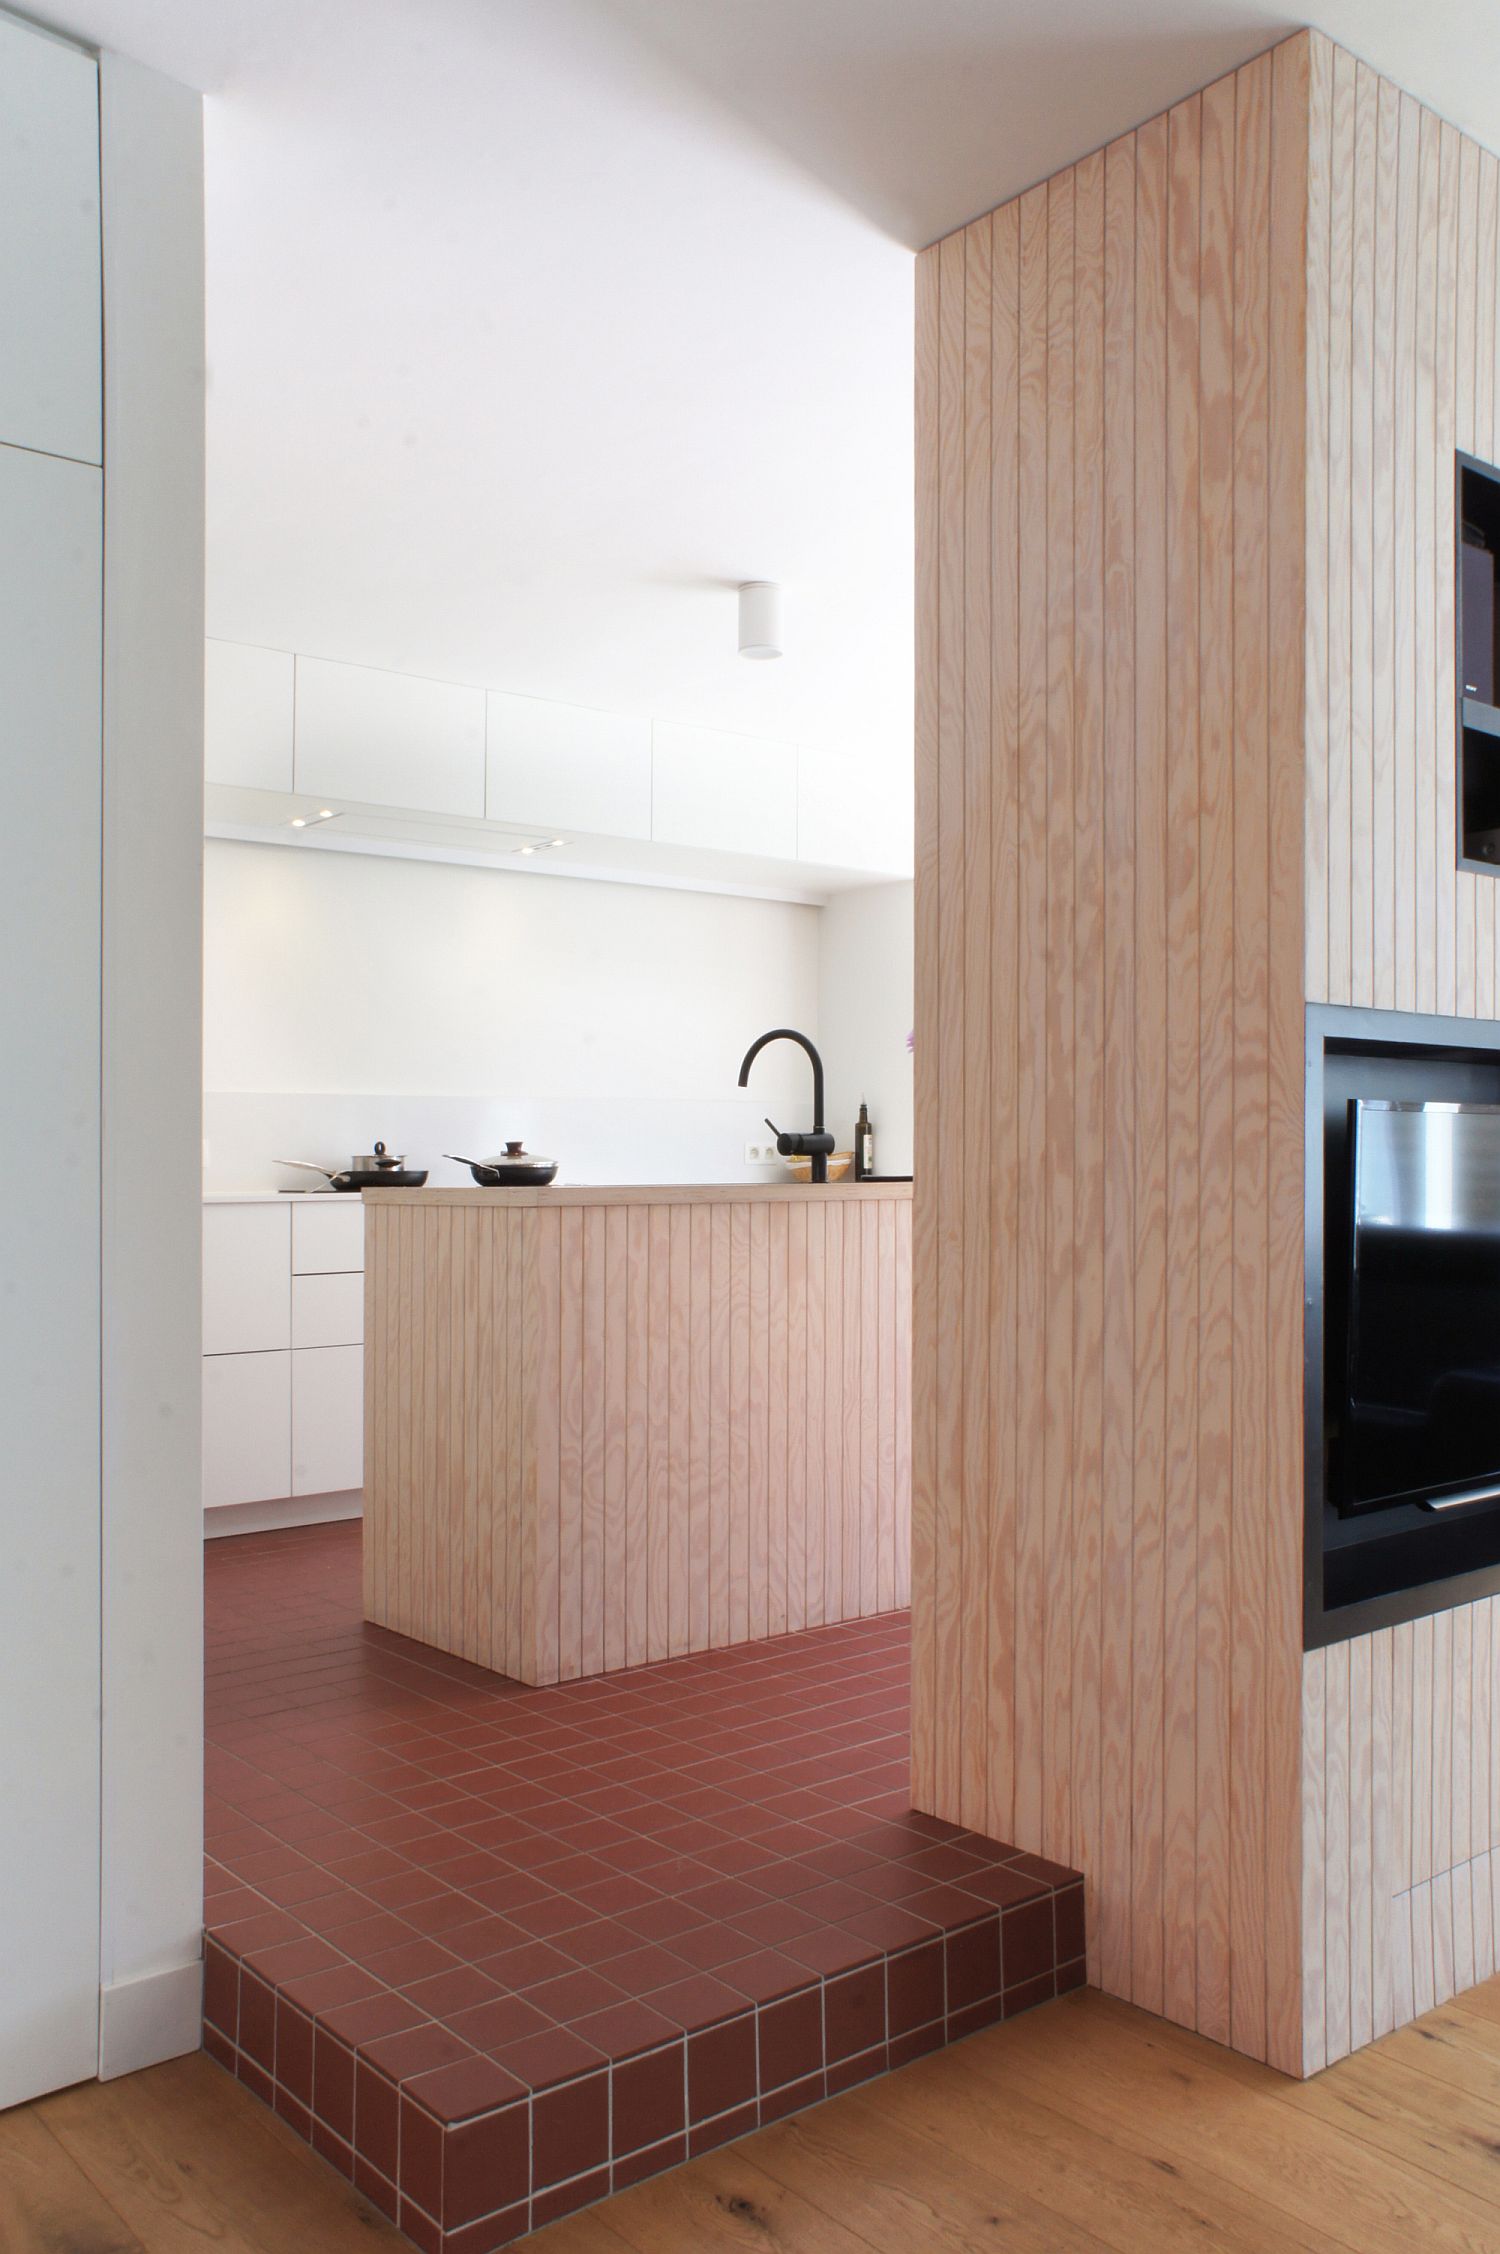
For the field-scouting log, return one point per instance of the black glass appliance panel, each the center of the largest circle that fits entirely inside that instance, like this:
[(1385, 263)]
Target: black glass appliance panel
[(1421, 1416)]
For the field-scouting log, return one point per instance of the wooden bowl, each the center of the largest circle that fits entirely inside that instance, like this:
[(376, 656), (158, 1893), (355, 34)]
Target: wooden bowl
[(840, 1167)]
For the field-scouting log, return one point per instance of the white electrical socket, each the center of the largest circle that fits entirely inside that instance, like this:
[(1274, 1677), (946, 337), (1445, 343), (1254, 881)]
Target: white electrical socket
[(761, 1154)]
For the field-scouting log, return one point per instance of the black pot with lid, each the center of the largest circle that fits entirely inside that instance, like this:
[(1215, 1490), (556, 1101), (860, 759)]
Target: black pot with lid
[(514, 1169)]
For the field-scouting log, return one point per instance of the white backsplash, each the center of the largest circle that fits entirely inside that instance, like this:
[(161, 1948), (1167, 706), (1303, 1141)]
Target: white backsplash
[(614, 1140)]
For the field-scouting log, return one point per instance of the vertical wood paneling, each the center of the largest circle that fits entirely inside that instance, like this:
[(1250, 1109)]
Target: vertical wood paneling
[(978, 671), (1211, 1688), (1183, 1119), (1091, 1129), (1287, 574), (1108, 1881), (1030, 1241), (1002, 884), (1105, 1026), (603, 1433), (1228, 364), (1150, 1007)]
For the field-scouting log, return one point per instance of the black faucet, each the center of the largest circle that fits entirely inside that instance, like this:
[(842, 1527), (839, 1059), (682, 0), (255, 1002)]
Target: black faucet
[(817, 1145)]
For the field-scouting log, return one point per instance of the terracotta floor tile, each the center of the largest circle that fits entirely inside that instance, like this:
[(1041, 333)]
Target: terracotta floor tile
[(456, 1891)]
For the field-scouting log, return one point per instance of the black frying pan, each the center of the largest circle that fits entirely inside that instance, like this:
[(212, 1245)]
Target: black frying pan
[(364, 1177)]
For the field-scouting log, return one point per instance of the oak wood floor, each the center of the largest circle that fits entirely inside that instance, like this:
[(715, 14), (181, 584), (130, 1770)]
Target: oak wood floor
[(1084, 2125)]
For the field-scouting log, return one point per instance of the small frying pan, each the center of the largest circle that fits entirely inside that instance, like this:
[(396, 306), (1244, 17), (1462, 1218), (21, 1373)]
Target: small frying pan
[(363, 1177)]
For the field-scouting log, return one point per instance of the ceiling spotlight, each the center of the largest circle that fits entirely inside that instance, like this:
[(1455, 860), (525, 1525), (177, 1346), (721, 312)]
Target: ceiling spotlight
[(299, 822), (760, 618), (559, 841), (325, 813), (526, 849)]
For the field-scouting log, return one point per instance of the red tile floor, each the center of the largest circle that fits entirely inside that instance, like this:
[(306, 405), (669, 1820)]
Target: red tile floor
[(497, 1951)]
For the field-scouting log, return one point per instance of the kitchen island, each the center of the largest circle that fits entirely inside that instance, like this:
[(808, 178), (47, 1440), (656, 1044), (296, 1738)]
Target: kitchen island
[(609, 1426)]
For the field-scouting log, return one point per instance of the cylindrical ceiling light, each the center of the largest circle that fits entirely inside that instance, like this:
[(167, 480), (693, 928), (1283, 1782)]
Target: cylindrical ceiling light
[(760, 618)]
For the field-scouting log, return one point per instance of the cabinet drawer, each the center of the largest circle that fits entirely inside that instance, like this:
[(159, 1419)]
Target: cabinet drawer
[(247, 1428), (247, 1296), (328, 1237), (328, 1310), (328, 1419)]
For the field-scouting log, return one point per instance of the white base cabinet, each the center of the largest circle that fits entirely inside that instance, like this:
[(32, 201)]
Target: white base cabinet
[(247, 1428), (283, 1362), (328, 1419)]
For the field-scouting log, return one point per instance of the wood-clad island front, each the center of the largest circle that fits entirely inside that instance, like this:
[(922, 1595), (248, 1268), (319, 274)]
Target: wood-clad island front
[(609, 1426)]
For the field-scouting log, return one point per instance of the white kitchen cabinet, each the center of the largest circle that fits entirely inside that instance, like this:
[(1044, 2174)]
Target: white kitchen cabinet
[(328, 1438), (850, 819), (736, 794), (50, 307), (565, 767), (286, 1277), (247, 1298), (328, 1235), (388, 739), (328, 1310), (247, 716), (51, 559), (247, 1428)]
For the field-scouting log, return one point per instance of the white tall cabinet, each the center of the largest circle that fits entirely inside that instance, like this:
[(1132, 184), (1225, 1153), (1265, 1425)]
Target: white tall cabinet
[(51, 704), (100, 682)]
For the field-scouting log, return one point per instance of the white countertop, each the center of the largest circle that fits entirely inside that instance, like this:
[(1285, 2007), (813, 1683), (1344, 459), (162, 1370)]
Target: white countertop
[(274, 1197)]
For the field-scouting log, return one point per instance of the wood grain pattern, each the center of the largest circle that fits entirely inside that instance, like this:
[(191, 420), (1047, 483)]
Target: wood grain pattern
[(606, 1433), (1399, 1873), (1064, 2131), (1402, 1759), (1109, 1372), (1229, 362)]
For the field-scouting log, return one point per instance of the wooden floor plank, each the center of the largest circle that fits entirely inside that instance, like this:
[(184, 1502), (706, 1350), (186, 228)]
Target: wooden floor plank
[(1083, 2128), (719, 2204), (1126, 2201), (863, 2166), (190, 2160), (47, 2203)]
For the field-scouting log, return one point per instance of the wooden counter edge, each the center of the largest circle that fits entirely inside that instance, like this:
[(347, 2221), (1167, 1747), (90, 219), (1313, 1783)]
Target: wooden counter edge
[(651, 1193)]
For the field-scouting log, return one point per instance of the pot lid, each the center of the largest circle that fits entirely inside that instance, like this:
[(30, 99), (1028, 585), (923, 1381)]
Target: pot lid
[(369, 1162), (516, 1154)]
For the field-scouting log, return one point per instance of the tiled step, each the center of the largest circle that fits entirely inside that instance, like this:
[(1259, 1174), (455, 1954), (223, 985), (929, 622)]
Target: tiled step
[(496, 1951), (466, 2160)]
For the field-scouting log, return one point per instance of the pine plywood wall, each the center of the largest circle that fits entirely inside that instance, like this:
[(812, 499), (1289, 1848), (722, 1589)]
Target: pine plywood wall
[(1401, 1805), (1402, 1824), (1112, 418)]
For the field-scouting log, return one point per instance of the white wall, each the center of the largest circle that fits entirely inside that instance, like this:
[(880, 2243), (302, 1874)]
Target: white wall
[(447, 1008), (865, 1011)]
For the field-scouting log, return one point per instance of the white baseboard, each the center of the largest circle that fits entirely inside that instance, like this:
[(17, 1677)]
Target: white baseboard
[(284, 1510), (142, 2022)]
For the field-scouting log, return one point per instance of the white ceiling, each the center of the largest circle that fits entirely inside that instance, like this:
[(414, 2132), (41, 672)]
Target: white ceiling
[(535, 324)]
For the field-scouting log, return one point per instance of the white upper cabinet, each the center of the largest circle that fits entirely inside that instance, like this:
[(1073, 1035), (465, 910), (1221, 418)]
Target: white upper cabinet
[(737, 794), (247, 716), (388, 739), (247, 1278), (847, 819), (566, 767), (50, 347)]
